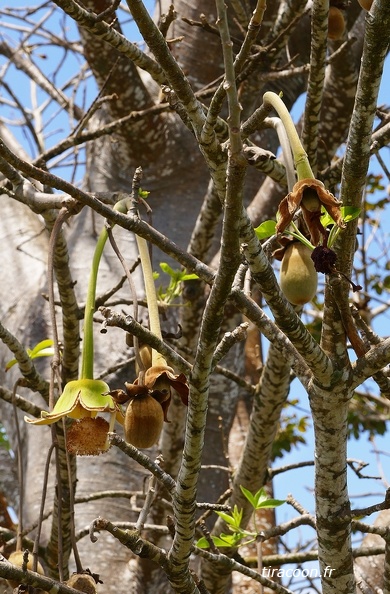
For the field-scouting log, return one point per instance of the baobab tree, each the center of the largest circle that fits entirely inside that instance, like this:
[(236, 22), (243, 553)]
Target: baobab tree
[(169, 149)]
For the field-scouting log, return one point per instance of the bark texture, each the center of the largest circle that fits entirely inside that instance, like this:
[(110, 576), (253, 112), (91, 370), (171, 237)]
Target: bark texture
[(168, 110)]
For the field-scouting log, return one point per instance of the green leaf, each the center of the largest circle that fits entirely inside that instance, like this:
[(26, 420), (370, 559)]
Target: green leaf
[(227, 540), (174, 288), (167, 269), (177, 275), (326, 219), (266, 229), (386, 282), (42, 349), (270, 503), (234, 519), (143, 193), (260, 499), (10, 364), (223, 540), (41, 346), (202, 543), (248, 495), (350, 212)]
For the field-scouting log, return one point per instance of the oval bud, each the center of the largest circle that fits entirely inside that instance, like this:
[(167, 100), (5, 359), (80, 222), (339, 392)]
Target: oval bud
[(366, 4), (336, 23), (82, 582), (298, 277), (16, 558), (145, 353), (143, 421)]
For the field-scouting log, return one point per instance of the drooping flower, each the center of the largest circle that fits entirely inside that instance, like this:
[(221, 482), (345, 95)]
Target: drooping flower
[(81, 398), (149, 398), (310, 194)]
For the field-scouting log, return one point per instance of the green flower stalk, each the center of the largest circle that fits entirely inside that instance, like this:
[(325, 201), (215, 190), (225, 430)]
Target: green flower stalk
[(85, 397), (88, 345), (308, 193), (149, 396), (301, 159), (154, 319)]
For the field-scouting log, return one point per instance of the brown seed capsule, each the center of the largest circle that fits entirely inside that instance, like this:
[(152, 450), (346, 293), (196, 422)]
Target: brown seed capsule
[(16, 558), (82, 582), (336, 23), (298, 277), (143, 421)]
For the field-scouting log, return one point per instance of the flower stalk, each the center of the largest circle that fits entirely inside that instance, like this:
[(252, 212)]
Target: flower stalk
[(84, 398), (88, 346), (151, 298), (301, 160)]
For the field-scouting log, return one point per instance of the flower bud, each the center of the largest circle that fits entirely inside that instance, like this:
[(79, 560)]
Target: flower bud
[(143, 421), (336, 23), (298, 277), (366, 4), (145, 353), (16, 558), (82, 582)]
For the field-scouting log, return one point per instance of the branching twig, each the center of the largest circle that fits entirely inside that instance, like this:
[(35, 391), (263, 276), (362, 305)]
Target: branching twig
[(143, 460)]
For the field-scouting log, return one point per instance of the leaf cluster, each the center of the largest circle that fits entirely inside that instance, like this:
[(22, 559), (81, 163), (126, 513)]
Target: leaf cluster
[(240, 536)]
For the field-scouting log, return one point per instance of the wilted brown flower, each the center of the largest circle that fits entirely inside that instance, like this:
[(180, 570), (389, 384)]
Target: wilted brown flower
[(310, 194), (150, 396), (157, 381), (324, 259)]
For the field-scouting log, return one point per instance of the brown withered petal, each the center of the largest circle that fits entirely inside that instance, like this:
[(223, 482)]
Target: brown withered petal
[(155, 375), (135, 389), (120, 396), (285, 242), (324, 259), (157, 381), (305, 194), (313, 222)]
